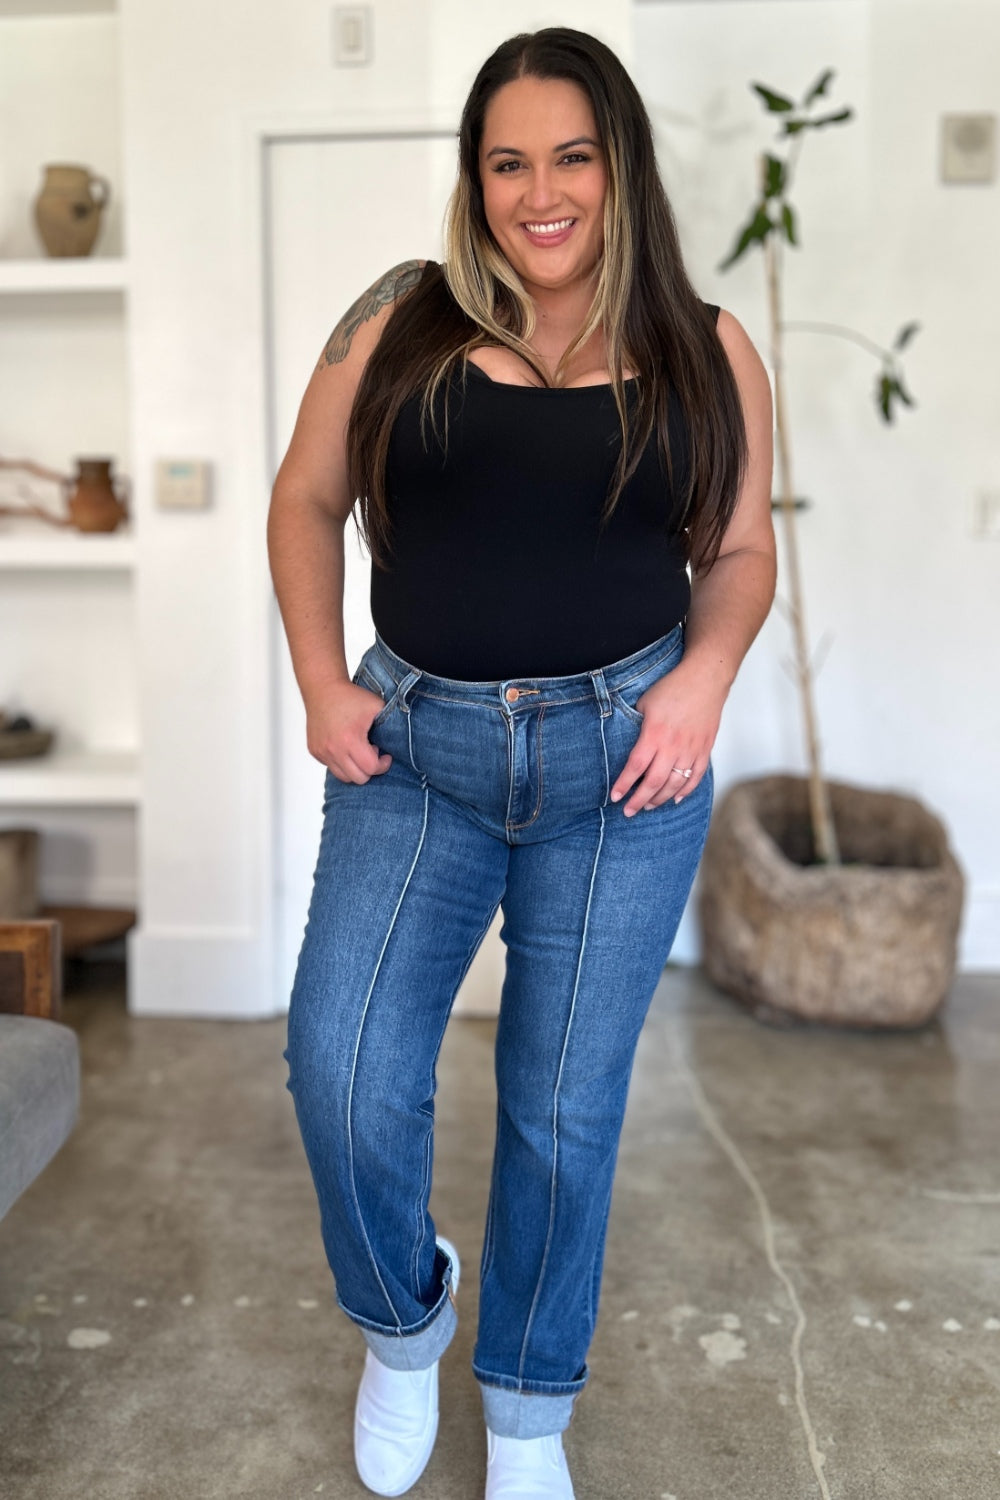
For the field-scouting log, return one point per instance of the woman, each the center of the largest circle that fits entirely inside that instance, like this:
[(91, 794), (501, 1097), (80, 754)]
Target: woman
[(543, 433)]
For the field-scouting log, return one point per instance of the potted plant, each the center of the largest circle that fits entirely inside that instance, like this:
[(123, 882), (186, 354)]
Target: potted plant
[(820, 900)]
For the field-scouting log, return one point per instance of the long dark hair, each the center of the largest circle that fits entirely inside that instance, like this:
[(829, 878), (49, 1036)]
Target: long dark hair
[(653, 320)]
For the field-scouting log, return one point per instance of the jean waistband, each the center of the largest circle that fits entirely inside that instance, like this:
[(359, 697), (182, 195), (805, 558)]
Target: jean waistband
[(510, 691)]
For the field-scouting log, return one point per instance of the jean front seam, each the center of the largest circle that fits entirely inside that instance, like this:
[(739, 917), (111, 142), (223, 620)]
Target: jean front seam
[(486, 1260), (419, 1212), (473, 948), (553, 1186), (354, 1067)]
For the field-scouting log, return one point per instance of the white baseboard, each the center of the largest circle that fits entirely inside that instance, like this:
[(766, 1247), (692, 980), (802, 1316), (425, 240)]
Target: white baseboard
[(979, 942), (221, 974), (227, 974)]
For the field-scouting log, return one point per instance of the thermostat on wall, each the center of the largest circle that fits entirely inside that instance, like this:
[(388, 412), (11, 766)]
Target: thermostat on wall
[(181, 483), (968, 148)]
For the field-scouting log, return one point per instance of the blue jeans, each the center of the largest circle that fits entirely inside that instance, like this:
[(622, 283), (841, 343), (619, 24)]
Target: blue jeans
[(498, 795)]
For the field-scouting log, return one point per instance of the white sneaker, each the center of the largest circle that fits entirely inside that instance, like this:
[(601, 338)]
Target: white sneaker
[(456, 1268), (526, 1468), (396, 1417)]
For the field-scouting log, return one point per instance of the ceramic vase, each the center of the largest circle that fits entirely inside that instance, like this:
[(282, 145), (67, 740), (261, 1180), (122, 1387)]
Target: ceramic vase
[(68, 209), (92, 499)]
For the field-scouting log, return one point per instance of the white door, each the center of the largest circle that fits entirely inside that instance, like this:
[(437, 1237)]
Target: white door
[(339, 211)]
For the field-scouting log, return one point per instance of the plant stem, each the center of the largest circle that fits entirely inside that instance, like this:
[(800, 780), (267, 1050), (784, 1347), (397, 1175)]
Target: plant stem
[(824, 832), (798, 326)]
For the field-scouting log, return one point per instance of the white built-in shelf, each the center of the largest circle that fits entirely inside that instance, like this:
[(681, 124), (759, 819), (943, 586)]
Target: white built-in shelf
[(77, 778), (72, 273), (70, 549), (40, 9)]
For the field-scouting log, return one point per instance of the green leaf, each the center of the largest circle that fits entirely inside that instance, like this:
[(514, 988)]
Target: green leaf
[(775, 102), (818, 88), (903, 394), (905, 334), (792, 127), (757, 229), (788, 220), (774, 182), (885, 390), (834, 119), (889, 387)]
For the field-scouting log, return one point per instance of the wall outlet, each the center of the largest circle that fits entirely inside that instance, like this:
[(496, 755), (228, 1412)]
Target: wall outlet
[(181, 484), (352, 35), (986, 515)]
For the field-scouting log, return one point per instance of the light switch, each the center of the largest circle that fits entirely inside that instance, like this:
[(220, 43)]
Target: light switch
[(352, 35), (182, 483)]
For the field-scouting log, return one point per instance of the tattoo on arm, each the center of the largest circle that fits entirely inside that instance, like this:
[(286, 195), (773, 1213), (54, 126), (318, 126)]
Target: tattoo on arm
[(392, 285)]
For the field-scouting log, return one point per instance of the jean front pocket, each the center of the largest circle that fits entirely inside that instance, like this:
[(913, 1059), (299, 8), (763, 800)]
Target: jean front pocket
[(626, 696), (375, 676), (622, 704)]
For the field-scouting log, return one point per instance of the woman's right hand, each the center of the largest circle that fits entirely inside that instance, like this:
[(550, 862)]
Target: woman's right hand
[(337, 723)]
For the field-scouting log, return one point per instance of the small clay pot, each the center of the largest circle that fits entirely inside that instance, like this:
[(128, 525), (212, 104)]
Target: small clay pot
[(68, 209), (92, 499)]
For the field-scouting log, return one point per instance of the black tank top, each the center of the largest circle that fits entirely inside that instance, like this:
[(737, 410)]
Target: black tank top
[(499, 567)]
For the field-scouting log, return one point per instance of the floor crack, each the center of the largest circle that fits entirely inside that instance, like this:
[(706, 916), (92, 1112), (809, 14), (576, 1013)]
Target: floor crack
[(720, 1135)]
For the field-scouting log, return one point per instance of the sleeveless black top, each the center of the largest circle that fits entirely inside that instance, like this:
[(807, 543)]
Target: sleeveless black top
[(499, 567)]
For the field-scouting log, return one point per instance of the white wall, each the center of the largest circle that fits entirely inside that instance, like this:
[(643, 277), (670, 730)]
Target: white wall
[(910, 694), (202, 83)]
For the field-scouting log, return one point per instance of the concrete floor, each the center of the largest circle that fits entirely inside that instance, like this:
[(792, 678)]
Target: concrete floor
[(802, 1293)]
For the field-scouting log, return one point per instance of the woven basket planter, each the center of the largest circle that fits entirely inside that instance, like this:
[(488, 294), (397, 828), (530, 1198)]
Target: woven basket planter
[(871, 943)]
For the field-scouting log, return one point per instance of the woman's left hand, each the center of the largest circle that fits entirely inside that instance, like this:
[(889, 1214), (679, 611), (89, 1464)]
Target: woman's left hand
[(681, 720)]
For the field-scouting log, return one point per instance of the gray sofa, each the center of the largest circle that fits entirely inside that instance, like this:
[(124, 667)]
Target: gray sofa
[(39, 1057)]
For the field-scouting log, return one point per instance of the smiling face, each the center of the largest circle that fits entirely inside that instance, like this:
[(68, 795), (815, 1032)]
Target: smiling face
[(544, 181)]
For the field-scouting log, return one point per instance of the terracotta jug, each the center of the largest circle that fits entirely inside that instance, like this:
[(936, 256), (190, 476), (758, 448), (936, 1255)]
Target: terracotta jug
[(68, 209), (92, 496)]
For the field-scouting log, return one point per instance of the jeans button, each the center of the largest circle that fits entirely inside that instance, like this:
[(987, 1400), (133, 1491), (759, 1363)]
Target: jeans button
[(512, 695)]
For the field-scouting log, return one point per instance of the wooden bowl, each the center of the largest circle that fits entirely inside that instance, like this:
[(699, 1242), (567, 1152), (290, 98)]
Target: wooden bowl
[(16, 744)]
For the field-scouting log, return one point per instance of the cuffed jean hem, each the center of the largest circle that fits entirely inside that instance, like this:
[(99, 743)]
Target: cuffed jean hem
[(518, 1411), (414, 1351)]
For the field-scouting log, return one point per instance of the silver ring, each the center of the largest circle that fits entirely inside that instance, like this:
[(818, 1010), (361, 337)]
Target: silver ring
[(683, 773)]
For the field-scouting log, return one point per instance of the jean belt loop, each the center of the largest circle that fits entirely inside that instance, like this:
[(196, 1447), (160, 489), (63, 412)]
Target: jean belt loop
[(601, 693), (405, 688)]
